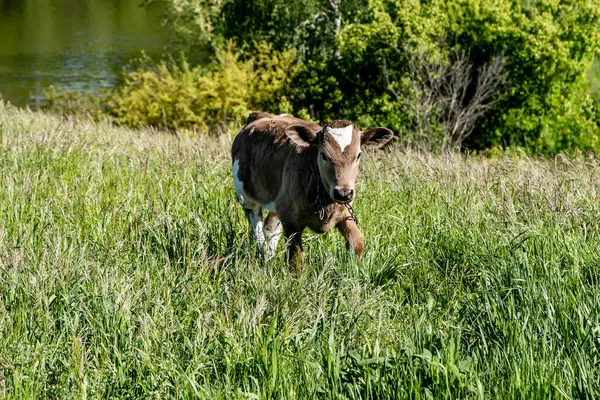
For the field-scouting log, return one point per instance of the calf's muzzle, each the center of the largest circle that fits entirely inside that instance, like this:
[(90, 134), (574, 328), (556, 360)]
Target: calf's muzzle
[(343, 194)]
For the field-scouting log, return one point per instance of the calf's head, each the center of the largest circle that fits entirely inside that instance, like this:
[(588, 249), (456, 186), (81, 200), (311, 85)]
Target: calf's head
[(339, 146)]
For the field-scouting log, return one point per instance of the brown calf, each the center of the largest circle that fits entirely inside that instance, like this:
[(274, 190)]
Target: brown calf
[(303, 174)]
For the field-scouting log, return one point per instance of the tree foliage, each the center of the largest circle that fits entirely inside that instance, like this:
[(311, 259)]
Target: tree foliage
[(356, 59)]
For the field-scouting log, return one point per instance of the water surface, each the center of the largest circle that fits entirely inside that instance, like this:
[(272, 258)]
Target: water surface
[(75, 44)]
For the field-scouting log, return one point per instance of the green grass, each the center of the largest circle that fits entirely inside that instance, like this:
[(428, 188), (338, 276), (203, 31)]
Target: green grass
[(127, 270)]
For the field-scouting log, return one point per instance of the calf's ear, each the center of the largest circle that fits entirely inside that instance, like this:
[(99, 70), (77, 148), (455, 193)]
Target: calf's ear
[(376, 137), (301, 135)]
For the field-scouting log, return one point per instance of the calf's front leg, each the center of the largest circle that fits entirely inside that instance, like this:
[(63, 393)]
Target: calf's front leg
[(354, 238), (293, 242)]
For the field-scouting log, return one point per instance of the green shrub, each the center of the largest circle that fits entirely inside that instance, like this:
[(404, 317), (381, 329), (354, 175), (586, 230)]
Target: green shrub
[(593, 80), (547, 47), (192, 22), (273, 73), (354, 59), (172, 94)]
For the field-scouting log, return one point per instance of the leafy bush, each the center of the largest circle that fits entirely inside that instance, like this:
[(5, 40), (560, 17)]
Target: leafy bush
[(172, 94), (192, 22), (273, 72), (547, 47), (354, 59)]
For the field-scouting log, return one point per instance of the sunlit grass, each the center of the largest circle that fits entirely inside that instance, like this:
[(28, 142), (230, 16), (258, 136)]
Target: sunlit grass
[(127, 270)]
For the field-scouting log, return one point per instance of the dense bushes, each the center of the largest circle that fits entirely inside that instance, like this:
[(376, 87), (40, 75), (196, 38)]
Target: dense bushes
[(174, 95), (442, 73), (546, 46), (357, 60)]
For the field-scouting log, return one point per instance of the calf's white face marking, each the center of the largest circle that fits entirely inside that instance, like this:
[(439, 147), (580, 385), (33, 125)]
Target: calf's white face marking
[(342, 136), (243, 198)]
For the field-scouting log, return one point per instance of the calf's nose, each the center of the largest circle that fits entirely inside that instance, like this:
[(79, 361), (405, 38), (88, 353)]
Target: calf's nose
[(343, 194)]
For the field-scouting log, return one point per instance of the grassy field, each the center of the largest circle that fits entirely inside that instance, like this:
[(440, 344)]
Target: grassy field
[(127, 271)]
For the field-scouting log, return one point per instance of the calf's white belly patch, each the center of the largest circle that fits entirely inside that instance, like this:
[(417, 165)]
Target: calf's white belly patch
[(243, 198)]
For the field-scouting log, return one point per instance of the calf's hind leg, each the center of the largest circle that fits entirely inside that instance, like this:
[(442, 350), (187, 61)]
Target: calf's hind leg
[(251, 207), (254, 216), (272, 233)]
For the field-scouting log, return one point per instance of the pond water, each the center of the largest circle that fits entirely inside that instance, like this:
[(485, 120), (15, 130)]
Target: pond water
[(74, 44)]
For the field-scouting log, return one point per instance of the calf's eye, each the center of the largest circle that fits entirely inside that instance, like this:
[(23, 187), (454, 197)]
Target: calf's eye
[(323, 156), (358, 156)]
